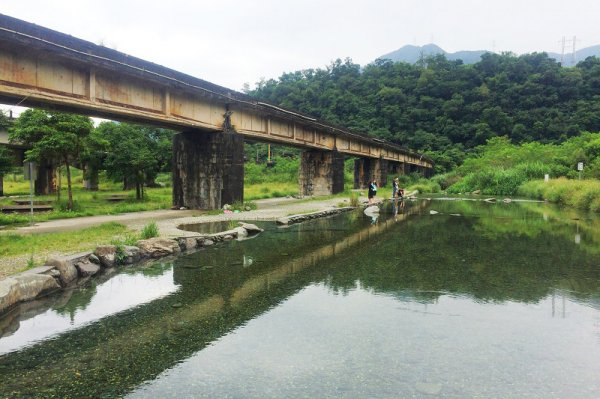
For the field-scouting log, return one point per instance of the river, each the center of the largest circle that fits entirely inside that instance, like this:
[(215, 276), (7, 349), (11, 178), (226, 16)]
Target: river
[(472, 300)]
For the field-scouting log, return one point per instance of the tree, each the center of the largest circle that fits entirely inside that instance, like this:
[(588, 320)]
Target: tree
[(4, 121), (6, 165), (131, 154), (53, 135), (440, 104), (6, 158)]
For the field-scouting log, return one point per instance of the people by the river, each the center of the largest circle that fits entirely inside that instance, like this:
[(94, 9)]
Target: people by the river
[(395, 188), (372, 191)]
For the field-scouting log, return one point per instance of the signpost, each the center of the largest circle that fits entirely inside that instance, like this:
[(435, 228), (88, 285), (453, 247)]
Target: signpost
[(579, 168)]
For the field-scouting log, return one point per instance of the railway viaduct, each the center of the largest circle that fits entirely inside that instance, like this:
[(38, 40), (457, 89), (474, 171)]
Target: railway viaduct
[(40, 67)]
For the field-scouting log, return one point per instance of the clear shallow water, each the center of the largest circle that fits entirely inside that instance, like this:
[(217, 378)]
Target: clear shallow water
[(501, 301)]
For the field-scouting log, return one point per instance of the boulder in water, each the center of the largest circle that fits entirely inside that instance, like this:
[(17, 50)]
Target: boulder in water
[(371, 210)]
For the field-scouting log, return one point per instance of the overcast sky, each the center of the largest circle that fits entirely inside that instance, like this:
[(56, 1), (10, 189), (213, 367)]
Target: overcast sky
[(230, 42)]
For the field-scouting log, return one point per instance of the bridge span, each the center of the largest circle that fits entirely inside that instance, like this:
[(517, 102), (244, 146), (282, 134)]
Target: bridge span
[(40, 67)]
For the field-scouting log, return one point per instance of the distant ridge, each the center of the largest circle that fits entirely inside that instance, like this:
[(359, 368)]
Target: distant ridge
[(580, 55), (412, 54)]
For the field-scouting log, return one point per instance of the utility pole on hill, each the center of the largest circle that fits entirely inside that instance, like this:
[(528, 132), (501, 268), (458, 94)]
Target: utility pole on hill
[(564, 42)]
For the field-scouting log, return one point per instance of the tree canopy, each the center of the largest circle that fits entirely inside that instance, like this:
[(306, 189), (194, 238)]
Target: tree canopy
[(445, 108), (135, 153), (55, 136)]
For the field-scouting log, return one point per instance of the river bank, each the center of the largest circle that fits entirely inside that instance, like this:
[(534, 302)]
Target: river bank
[(63, 272), (167, 221)]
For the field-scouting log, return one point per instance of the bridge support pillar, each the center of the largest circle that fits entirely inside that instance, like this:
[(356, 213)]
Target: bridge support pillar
[(90, 178), (208, 169), (396, 168), (46, 182), (367, 169), (321, 172)]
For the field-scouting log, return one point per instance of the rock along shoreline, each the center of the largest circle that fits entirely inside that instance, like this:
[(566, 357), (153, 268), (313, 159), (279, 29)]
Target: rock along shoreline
[(64, 272)]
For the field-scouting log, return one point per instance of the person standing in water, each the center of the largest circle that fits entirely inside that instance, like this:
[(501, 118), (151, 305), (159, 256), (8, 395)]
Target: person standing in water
[(372, 191)]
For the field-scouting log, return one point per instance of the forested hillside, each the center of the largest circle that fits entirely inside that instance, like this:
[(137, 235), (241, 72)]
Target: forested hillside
[(444, 107)]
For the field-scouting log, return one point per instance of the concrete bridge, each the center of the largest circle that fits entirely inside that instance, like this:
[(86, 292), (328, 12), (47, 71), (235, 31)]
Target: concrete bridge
[(40, 67)]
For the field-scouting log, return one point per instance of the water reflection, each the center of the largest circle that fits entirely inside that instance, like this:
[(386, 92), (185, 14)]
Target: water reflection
[(103, 297), (340, 307), (358, 344)]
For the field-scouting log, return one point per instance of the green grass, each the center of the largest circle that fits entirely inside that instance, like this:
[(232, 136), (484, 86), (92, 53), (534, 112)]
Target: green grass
[(269, 190), (150, 230), (64, 242), (283, 182), (87, 203), (581, 194)]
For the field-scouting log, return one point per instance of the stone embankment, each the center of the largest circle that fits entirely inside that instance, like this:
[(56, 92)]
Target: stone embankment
[(287, 220), (66, 271)]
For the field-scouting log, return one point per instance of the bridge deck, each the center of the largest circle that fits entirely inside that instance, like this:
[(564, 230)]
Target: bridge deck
[(42, 67)]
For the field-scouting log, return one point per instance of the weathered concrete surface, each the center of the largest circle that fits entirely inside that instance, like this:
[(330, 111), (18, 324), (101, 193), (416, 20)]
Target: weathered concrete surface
[(208, 169), (368, 169), (321, 173)]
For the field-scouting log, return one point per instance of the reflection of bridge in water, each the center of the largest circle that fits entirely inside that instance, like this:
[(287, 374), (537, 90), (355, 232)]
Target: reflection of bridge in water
[(321, 254), (153, 330)]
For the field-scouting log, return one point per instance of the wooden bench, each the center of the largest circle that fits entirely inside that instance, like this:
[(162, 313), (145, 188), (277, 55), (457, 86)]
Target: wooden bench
[(35, 202), (25, 208), (117, 197)]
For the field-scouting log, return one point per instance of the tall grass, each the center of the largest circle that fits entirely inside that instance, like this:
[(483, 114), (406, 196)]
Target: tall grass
[(581, 194), (491, 182), (150, 230)]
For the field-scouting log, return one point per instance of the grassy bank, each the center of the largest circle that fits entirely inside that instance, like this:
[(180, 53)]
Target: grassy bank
[(19, 252), (503, 168), (68, 241), (581, 194)]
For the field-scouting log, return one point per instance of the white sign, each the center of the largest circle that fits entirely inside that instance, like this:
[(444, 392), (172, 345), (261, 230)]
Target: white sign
[(546, 177), (580, 166)]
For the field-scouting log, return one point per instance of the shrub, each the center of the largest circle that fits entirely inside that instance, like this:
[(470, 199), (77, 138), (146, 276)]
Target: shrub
[(491, 182), (243, 206), (445, 180), (63, 206)]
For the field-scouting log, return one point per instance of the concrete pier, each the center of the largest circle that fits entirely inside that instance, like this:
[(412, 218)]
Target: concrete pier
[(367, 169), (321, 172), (208, 169)]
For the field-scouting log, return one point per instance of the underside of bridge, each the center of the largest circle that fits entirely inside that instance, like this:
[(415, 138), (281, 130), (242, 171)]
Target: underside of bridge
[(44, 68)]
